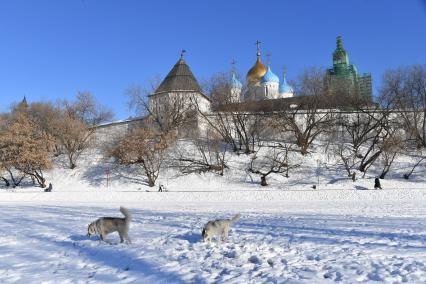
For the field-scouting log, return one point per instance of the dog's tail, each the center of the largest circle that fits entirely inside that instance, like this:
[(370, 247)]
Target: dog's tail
[(126, 213), (235, 218)]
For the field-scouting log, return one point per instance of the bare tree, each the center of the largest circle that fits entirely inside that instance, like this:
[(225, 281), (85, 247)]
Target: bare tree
[(76, 123), (360, 127), (311, 117), (86, 109), (165, 111), (208, 155), (145, 148), (346, 156), (420, 159), (23, 150), (391, 146), (404, 91), (278, 159), (231, 121), (3, 162)]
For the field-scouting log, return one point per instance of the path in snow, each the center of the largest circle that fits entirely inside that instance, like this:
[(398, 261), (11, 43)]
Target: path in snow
[(47, 243)]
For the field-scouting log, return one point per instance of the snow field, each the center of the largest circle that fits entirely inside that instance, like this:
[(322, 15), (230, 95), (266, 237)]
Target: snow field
[(343, 231), (48, 244)]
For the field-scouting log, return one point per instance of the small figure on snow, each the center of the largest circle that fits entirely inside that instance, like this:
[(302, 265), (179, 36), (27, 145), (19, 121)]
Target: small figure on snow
[(49, 188), (161, 188), (377, 184)]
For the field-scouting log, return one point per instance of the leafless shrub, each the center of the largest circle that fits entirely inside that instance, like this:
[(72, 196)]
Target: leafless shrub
[(278, 159), (74, 127), (391, 146), (419, 160), (23, 150), (236, 126), (145, 148), (309, 119), (347, 158), (209, 155), (404, 91), (166, 111)]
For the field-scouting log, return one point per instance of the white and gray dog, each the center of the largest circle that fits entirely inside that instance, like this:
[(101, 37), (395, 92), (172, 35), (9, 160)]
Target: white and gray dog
[(218, 227), (105, 225)]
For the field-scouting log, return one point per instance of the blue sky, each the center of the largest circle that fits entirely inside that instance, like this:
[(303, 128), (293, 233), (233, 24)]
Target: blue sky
[(53, 49)]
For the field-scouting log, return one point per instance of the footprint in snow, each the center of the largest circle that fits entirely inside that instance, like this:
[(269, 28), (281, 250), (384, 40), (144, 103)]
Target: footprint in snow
[(254, 259)]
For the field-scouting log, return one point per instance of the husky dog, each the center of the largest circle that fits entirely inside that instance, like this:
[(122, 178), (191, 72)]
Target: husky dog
[(106, 225), (218, 227)]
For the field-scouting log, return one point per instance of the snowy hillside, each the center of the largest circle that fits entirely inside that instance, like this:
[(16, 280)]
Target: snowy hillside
[(288, 232)]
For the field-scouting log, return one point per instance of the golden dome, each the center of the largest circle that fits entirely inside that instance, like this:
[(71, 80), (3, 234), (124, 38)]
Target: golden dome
[(256, 72)]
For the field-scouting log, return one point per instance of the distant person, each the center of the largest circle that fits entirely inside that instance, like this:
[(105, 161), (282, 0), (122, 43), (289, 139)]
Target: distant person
[(377, 184), (49, 188)]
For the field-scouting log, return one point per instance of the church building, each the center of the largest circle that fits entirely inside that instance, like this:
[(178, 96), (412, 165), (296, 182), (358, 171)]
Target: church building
[(262, 83)]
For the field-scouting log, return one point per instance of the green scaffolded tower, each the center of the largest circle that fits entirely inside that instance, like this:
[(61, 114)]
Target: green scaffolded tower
[(344, 77)]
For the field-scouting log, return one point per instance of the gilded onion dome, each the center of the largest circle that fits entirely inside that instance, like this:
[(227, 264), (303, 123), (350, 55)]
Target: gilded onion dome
[(256, 72)]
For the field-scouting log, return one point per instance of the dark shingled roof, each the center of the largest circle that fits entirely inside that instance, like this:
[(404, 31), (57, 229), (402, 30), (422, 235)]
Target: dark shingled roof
[(180, 78)]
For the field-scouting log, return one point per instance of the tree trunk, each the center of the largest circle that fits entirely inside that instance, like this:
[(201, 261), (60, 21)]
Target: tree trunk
[(5, 181), (40, 180), (371, 160), (151, 182), (15, 181), (71, 162), (407, 176), (387, 166)]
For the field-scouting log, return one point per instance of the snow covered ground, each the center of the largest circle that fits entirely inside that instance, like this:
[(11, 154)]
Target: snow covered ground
[(343, 231), (48, 244)]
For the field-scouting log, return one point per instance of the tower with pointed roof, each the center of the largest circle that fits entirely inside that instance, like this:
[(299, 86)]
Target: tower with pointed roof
[(344, 77), (179, 96)]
